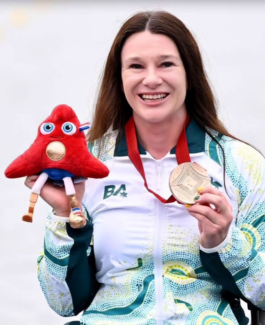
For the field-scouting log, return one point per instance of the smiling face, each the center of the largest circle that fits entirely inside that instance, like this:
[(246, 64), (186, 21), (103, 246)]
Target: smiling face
[(154, 78)]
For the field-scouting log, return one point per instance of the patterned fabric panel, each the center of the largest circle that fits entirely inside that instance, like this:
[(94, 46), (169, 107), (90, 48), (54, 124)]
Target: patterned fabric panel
[(104, 148), (52, 268), (244, 254)]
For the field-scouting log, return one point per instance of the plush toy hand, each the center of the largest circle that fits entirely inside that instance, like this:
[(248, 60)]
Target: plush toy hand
[(214, 214), (55, 195)]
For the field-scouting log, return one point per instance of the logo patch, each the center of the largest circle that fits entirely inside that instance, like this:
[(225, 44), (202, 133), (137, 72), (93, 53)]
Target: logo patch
[(110, 190)]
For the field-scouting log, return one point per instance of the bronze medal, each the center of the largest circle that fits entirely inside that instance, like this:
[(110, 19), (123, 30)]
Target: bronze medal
[(185, 180)]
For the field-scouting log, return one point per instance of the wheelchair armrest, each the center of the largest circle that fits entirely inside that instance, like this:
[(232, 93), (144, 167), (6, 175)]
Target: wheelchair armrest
[(262, 317), (257, 316)]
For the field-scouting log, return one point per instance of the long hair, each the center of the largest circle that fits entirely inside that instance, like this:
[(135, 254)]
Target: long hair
[(112, 109)]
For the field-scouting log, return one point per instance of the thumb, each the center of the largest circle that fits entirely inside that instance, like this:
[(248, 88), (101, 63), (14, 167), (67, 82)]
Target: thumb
[(30, 180)]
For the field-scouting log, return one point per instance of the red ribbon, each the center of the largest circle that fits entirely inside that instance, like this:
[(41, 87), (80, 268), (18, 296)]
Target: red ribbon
[(182, 153)]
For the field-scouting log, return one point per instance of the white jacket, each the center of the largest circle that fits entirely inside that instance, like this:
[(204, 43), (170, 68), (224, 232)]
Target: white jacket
[(150, 265)]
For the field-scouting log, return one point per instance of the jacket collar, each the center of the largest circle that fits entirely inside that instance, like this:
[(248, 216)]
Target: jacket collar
[(195, 138)]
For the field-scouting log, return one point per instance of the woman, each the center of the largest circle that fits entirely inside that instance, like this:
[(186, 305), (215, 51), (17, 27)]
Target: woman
[(159, 261)]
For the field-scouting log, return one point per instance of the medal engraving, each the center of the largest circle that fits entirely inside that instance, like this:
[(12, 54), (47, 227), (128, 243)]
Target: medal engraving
[(55, 150), (185, 180)]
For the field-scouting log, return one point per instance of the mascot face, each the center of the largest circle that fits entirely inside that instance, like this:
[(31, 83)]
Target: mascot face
[(58, 131), (61, 127), (61, 124)]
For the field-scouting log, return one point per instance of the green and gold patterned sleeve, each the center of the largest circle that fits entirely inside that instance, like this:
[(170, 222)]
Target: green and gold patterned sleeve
[(239, 266), (63, 266)]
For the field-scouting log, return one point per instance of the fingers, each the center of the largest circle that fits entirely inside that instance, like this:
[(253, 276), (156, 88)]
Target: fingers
[(214, 214), (210, 189), (205, 224), (219, 202), (221, 219), (211, 234), (211, 196), (213, 205), (205, 211), (30, 180), (80, 186)]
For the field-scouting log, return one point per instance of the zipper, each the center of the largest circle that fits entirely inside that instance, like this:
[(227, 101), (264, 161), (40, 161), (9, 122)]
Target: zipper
[(158, 266), (158, 179)]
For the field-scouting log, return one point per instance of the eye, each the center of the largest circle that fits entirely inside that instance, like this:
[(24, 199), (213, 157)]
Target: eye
[(68, 128), (167, 64), (135, 66), (47, 128)]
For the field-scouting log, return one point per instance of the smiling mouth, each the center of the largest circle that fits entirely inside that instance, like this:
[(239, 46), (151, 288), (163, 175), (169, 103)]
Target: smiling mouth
[(153, 98)]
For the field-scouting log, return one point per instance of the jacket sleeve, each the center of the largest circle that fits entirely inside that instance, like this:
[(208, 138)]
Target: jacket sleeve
[(239, 264), (63, 266)]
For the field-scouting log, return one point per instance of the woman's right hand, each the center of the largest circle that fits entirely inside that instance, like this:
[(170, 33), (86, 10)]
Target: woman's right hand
[(56, 197)]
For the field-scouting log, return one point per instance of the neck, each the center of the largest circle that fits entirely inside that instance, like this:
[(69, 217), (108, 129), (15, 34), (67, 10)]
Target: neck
[(159, 138)]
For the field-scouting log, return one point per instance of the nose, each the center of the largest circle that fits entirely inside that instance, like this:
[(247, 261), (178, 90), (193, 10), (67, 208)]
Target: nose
[(152, 78)]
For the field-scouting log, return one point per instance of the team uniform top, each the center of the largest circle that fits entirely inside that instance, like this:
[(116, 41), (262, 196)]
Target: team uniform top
[(149, 262)]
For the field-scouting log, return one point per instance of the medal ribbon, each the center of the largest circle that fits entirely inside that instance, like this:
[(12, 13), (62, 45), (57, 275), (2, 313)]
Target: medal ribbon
[(182, 153)]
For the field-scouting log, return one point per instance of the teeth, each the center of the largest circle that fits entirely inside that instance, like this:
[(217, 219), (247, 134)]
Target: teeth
[(158, 96)]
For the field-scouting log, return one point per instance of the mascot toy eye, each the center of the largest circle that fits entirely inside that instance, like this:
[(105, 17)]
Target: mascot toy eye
[(60, 153)]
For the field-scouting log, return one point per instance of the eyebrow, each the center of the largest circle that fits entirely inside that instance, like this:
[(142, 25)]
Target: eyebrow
[(166, 57), (161, 57)]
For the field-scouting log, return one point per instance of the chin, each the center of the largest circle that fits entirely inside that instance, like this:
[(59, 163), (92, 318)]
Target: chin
[(163, 115), (156, 119)]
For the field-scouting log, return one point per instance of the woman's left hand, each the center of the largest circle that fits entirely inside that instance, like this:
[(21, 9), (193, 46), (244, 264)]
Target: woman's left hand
[(214, 215)]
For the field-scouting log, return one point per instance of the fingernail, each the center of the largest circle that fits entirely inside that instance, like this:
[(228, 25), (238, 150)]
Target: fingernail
[(200, 189), (196, 198), (188, 205)]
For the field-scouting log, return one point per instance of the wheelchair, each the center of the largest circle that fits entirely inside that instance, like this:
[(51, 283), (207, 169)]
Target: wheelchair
[(257, 317)]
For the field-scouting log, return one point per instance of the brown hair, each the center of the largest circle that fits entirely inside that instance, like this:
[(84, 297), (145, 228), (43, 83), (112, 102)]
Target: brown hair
[(112, 109)]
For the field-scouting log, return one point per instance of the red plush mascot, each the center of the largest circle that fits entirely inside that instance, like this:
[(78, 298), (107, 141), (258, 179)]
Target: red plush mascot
[(60, 153)]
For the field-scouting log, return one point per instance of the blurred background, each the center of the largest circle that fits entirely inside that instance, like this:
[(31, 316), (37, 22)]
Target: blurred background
[(53, 52)]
